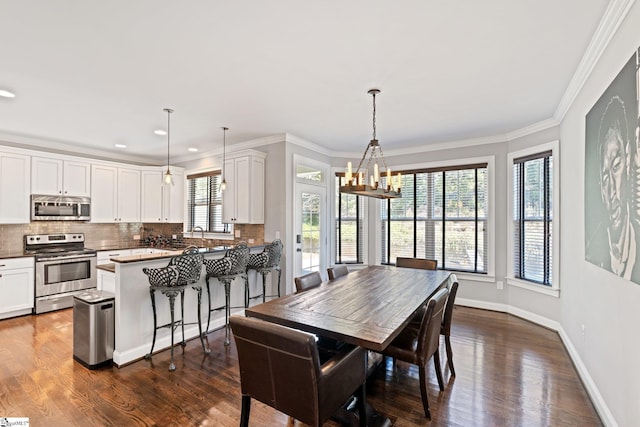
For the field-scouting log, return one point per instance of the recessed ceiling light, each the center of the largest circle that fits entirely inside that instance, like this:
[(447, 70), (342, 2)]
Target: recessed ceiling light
[(192, 149), (120, 146), (160, 132), (6, 94)]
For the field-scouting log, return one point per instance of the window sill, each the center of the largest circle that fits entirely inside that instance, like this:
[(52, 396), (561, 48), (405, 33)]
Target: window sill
[(542, 289), (218, 236), (474, 277)]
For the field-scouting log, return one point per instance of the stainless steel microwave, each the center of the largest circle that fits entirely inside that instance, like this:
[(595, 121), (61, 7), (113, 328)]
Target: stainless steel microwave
[(60, 208)]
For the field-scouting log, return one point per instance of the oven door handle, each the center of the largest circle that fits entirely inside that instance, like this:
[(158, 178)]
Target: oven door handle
[(65, 257)]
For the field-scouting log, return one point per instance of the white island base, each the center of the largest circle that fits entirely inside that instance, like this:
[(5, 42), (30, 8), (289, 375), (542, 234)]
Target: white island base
[(134, 315)]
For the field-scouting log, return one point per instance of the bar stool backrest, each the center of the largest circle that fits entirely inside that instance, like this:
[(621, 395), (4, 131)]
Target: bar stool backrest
[(165, 277), (275, 252), (238, 255), (189, 266)]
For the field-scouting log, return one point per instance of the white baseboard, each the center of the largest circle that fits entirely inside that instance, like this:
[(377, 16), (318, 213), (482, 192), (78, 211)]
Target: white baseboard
[(592, 390), (121, 358)]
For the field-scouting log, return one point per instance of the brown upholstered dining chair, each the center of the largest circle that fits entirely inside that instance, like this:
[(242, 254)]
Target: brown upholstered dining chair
[(337, 271), (281, 368), (421, 263), (445, 329), (308, 281), (416, 345)]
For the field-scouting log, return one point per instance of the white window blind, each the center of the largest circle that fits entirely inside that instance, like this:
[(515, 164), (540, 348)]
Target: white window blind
[(349, 226), (205, 202), (532, 217), (441, 215)]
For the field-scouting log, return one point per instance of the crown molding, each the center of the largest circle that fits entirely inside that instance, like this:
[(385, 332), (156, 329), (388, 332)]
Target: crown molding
[(609, 24), (301, 142), (63, 147)]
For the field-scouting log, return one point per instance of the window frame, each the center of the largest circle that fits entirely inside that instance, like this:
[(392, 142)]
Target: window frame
[(489, 276), (512, 280), (187, 232), (364, 211)]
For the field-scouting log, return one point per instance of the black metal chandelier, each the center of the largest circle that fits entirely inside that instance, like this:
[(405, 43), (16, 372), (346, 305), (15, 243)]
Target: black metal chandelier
[(367, 182)]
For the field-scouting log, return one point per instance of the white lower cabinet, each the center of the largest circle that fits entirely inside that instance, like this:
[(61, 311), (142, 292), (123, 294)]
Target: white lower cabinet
[(106, 281), (104, 257), (16, 286)]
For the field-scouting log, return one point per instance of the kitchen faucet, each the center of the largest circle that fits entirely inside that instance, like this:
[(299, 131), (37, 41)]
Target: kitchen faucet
[(201, 234)]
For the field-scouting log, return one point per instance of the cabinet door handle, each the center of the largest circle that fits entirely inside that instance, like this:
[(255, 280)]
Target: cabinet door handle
[(3, 265)]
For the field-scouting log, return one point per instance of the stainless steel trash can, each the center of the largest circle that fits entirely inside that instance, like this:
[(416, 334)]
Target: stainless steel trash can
[(93, 328)]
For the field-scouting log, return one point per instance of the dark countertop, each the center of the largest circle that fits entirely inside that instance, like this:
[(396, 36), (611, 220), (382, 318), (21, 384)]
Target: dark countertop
[(170, 252), (19, 253), (11, 253)]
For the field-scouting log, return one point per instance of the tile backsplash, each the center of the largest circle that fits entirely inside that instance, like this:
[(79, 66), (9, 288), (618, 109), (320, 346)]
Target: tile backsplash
[(118, 235)]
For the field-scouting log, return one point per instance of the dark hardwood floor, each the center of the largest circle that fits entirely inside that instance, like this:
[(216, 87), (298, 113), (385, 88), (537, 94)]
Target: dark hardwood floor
[(509, 373)]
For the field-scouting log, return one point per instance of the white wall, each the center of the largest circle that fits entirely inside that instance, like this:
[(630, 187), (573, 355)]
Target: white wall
[(607, 306)]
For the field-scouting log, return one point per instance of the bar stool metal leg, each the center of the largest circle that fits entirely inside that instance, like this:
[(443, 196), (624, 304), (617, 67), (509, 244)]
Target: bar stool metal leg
[(172, 303), (204, 348), (264, 273), (155, 323), (184, 342), (208, 307), (227, 310)]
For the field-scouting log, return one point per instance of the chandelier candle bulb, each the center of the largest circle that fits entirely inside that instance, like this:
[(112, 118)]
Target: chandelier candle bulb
[(376, 173), (360, 181), (349, 174)]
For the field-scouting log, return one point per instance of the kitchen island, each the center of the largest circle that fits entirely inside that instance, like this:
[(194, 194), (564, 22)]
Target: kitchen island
[(134, 315)]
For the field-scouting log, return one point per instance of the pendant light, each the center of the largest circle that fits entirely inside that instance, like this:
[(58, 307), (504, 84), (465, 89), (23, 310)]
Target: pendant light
[(366, 182), (223, 185), (168, 178)]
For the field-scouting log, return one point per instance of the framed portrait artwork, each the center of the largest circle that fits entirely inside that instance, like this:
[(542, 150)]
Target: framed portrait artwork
[(612, 177)]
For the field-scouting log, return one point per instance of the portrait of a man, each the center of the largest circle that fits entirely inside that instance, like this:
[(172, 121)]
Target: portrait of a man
[(612, 227)]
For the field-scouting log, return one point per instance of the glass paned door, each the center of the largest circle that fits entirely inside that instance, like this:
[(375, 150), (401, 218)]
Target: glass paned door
[(311, 242)]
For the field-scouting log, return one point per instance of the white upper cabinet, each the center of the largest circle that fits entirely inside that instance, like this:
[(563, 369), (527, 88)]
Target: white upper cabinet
[(243, 200), (15, 188), (115, 194), (161, 202), (60, 177)]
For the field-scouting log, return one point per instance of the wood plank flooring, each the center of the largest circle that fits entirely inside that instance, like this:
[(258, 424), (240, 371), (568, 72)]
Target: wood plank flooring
[(509, 373)]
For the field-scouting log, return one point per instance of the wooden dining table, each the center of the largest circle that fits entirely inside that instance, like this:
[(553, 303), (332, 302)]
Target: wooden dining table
[(368, 307)]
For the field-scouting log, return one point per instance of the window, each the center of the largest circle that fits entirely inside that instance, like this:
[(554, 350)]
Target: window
[(349, 227), (533, 218), (205, 202), (441, 215)]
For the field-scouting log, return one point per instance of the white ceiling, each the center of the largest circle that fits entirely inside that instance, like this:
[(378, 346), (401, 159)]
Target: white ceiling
[(96, 73)]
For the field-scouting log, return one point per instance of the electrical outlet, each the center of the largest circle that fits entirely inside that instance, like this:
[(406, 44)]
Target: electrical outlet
[(277, 234), (174, 236), (136, 237), (237, 233), (500, 285), (251, 241)]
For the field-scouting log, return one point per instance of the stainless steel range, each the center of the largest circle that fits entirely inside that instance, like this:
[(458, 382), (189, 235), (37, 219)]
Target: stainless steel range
[(64, 267)]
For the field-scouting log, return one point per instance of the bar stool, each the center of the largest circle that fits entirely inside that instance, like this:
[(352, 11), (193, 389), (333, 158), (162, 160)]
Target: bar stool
[(189, 266), (165, 280), (226, 270), (264, 262)]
